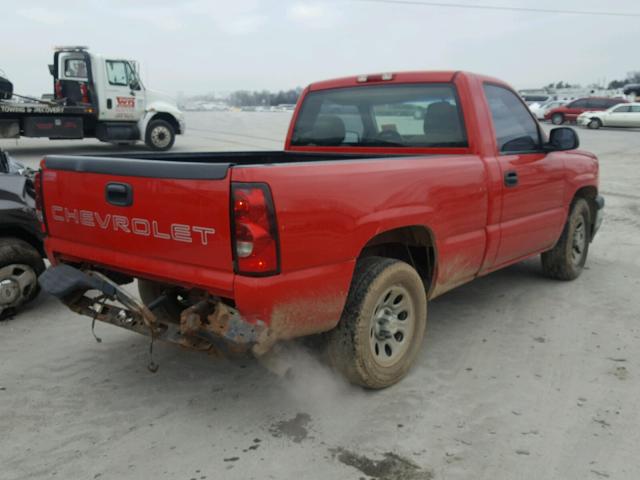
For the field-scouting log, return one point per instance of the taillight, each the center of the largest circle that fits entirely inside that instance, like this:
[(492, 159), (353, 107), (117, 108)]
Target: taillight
[(58, 89), (253, 230), (37, 187), (84, 91)]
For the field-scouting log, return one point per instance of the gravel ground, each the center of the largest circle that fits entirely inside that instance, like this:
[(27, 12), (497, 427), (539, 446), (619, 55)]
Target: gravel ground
[(520, 377)]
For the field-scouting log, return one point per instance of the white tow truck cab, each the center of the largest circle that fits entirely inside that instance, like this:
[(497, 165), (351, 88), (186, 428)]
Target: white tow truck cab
[(95, 96)]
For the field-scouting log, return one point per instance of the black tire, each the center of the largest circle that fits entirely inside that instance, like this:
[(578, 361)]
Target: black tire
[(352, 344), (17, 252), (566, 259), (557, 119), (169, 310), (160, 135), (594, 124)]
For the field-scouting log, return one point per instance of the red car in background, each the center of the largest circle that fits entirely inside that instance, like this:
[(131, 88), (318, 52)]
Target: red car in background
[(570, 111)]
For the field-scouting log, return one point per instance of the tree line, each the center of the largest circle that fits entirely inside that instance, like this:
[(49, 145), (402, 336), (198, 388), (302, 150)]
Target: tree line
[(632, 77), (246, 98)]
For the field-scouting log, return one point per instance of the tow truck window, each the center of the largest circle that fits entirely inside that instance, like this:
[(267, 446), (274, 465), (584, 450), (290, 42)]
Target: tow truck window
[(75, 68), (119, 73), (420, 115), (515, 128)]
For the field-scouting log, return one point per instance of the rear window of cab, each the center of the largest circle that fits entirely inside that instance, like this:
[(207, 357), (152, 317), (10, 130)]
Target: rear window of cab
[(405, 115)]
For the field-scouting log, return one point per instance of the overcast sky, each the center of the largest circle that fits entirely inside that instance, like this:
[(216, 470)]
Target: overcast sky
[(201, 46)]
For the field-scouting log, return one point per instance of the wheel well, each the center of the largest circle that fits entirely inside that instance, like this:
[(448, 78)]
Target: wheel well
[(167, 117), (412, 244), (589, 194), (23, 235)]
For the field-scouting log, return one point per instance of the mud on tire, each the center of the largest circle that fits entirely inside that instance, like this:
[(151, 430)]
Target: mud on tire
[(566, 259), (382, 325)]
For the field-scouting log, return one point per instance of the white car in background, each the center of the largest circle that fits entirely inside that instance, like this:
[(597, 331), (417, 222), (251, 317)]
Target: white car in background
[(622, 115), (539, 109)]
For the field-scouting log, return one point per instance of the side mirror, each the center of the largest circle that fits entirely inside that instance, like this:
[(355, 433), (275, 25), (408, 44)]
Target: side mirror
[(134, 85), (562, 138)]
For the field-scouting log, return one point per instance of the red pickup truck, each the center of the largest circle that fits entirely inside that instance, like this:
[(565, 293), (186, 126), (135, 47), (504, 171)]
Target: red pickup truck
[(391, 190)]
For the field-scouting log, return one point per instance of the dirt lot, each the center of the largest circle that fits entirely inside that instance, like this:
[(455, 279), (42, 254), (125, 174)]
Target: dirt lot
[(520, 377)]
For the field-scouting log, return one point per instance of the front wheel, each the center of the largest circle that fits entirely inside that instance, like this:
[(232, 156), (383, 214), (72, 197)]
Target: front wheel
[(160, 135), (594, 124), (557, 119), (566, 260), (382, 325)]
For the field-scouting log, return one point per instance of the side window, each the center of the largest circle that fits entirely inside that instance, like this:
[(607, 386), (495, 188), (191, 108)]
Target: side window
[(635, 109), (516, 130), (622, 109), (601, 103), (75, 68), (118, 73), (578, 104)]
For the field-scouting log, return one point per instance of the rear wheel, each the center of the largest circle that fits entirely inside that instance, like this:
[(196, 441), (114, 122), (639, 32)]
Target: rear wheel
[(160, 135), (383, 323), (557, 119), (566, 260), (594, 123), (20, 265)]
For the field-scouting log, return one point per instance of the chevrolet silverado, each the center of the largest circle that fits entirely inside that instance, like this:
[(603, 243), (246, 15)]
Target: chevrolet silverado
[(391, 190)]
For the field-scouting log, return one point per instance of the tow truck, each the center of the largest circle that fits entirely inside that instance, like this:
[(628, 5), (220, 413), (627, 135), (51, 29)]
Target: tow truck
[(93, 96)]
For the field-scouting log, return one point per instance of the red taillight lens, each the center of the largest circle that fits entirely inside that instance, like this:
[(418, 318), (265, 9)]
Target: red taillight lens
[(37, 187), (58, 89), (254, 231), (84, 91)]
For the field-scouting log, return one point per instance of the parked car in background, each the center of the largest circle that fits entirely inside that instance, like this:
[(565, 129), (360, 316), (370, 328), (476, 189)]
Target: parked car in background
[(540, 109), (530, 99), (570, 111), (627, 115), (21, 249)]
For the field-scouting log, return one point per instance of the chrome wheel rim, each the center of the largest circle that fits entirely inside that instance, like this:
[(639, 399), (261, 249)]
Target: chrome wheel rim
[(17, 282), (160, 136), (392, 325), (579, 242)]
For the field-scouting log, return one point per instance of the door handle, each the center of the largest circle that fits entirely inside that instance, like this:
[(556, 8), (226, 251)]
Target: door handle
[(511, 178), (119, 194), (109, 103)]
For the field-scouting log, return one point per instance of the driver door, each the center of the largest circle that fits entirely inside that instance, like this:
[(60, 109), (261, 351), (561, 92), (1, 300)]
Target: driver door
[(123, 98), (533, 213)]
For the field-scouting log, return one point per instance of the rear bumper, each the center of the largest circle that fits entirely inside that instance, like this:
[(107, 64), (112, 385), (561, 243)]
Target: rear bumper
[(288, 305)]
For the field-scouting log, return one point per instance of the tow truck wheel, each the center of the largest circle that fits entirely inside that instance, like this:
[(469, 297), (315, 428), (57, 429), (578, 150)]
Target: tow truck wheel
[(160, 135), (382, 325), (20, 265), (566, 260)]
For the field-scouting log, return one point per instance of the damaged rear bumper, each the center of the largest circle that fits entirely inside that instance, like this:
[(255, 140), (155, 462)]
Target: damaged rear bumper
[(208, 324)]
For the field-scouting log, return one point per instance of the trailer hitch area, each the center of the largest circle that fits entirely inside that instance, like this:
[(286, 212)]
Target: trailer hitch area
[(70, 285), (207, 325), (211, 323)]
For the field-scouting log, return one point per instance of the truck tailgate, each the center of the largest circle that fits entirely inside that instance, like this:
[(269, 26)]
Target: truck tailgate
[(153, 218)]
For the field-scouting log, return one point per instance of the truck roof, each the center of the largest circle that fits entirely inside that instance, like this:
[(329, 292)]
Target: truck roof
[(425, 76)]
